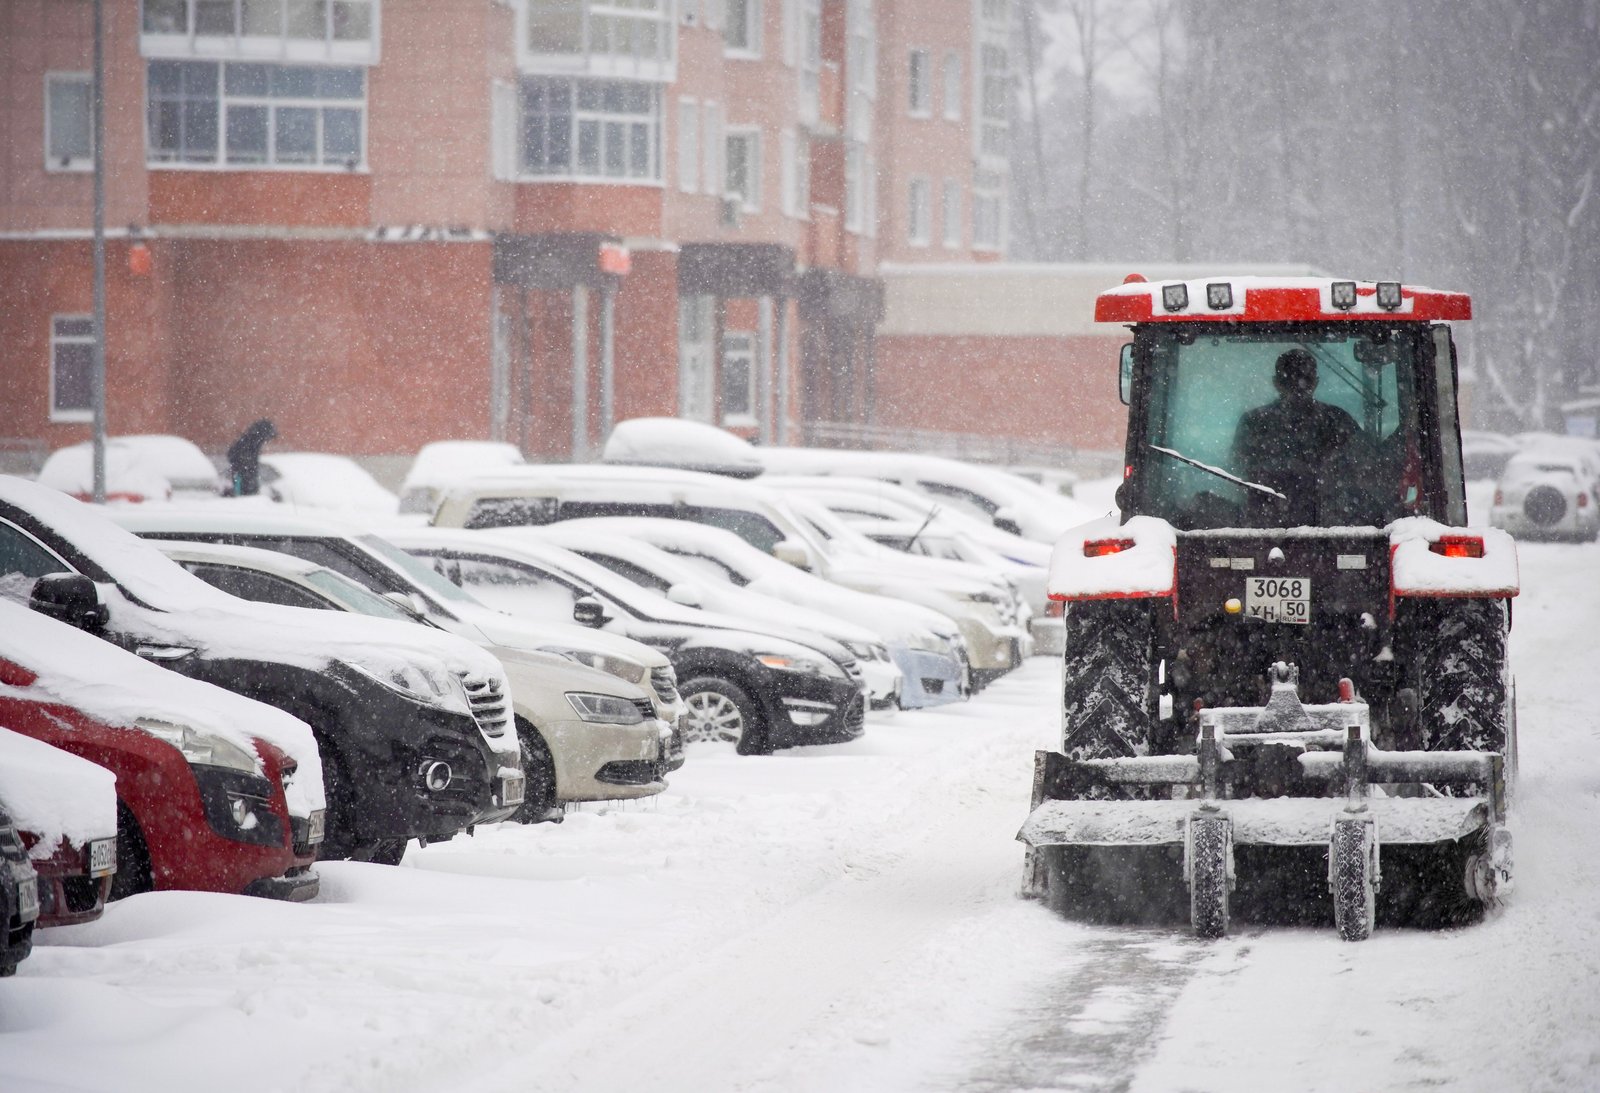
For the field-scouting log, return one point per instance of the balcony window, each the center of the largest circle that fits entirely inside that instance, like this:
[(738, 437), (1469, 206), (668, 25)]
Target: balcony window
[(952, 86), (630, 37), (246, 115), (289, 29), (994, 101), (919, 212), (920, 98), (742, 158), (738, 378), (951, 201), (590, 129), (988, 210)]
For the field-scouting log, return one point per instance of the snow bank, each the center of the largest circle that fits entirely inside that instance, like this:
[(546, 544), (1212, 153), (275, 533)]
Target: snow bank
[(1418, 571), (1147, 568), (55, 794), (674, 442)]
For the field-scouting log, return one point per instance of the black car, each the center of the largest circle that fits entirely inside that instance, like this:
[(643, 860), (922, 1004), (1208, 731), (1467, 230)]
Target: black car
[(412, 732), (19, 898), (763, 687)]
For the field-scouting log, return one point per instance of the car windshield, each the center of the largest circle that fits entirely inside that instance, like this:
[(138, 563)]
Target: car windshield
[(357, 598), (1281, 428), (418, 571)]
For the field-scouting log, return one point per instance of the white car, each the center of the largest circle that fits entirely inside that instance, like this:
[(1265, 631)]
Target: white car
[(444, 461), (153, 467), (1549, 493), (318, 480)]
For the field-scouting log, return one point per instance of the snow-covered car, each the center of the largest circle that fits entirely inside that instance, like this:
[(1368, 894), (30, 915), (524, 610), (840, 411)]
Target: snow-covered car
[(154, 467), (757, 688), (924, 644), (1548, 493), (371, 560), (444, 461), (675, 579), (65, 810), (586, 735), (1485, 454), (546, 493), (209, 794), (317, 480), (19, 897), (411, 727)]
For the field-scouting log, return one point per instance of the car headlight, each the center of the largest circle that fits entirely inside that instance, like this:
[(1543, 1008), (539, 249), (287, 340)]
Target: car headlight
[(815, 666), (867, 650), (604, 709), (431, 685), (201, 748), (621, 667)]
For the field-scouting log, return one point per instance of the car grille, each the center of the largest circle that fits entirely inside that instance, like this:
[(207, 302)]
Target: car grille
[(488, 701), (664, 681), (647, 709), (855, 716)]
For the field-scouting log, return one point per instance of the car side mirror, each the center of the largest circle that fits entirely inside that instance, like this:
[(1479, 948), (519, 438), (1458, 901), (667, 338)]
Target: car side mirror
[(794, 553), (71, 598), (588, 611), (1125, 375), (410, 604), (686, 593)]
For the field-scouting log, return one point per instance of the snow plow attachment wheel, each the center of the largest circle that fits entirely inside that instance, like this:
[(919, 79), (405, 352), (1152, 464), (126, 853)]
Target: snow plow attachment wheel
[(1353, 877), (1210, 874)]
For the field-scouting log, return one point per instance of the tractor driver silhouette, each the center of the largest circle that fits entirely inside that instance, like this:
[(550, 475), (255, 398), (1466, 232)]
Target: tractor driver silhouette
[(1289, 444)]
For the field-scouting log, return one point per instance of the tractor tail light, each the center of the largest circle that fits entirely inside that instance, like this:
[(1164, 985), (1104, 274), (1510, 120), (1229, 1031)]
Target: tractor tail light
[(1099, 548), (1583, 500), (1458, 546)]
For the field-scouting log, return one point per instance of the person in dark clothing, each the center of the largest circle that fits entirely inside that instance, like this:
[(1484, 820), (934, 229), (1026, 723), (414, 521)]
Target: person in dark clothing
[(1291, 445), (244, 458)]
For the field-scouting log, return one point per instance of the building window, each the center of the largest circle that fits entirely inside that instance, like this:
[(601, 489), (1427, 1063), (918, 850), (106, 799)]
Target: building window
[(788, 153), (994, 100), (68, 121), (951, 207), (952, 86), (295, 29), (920, 99), (688, 146), (919, 212), (256, 115), (639, 32), (71, 368), (696, 325), (742, 158), (810, 60), (595, 129), (988, 210), (796, 169), (741, 34), (853, 188), (711, 137), (738, 378)]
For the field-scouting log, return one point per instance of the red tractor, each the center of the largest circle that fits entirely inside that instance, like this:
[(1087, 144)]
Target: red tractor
[(1286, 660)]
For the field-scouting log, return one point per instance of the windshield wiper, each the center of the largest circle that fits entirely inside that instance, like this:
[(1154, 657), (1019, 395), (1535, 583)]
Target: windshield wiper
[(913, 540), (1220, 473)]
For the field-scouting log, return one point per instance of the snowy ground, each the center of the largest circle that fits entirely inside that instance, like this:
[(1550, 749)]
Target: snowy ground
[(838, 918)]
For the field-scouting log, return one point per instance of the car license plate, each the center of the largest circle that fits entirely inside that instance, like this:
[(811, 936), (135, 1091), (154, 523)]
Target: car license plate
[(102, 857), (1278, 599), (28, 899), (317, 828), (512, 788)]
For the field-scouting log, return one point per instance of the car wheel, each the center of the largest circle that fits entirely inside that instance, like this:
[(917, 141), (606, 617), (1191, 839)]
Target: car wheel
[(133, 873), (1544, 506), (385, 852), (539, 778), (719, 710)]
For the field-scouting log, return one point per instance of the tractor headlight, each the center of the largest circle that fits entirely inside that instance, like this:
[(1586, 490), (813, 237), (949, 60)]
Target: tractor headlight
[(201, 748), (604, 709)]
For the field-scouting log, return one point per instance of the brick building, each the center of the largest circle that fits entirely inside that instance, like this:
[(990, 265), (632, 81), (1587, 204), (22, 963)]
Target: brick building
[(385, 222)]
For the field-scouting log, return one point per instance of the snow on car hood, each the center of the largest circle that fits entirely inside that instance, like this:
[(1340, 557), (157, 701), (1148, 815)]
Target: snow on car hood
[(54, 794), (114, 686)]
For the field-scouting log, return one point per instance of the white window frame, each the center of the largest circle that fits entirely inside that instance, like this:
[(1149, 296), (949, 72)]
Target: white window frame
[(788, 181), (952, 86), (696, 395), (802, 178), (872, 182), (57, 339), (69, 164), (750, 48), (854, 188), (950, 214), (738, 345), (988, 211), (225, 100), (505, 134), (711, 138), (688, 150), (791, 32), (750, 197), (919, 83), (186, 42), (919, 211), (579, 116), (810, 60)]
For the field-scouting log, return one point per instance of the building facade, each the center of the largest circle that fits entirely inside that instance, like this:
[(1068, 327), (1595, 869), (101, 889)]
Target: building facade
[(386, 222)]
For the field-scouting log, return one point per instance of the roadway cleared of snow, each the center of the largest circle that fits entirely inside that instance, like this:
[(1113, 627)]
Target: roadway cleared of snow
[(838, 918)]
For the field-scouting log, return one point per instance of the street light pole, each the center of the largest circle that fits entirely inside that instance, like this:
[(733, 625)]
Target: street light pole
[(97, 384)]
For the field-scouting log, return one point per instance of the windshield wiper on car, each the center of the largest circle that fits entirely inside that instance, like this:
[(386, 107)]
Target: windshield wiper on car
[(1220, 473)]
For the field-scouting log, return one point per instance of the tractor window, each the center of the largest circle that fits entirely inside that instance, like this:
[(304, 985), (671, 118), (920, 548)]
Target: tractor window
[(1330, 432)]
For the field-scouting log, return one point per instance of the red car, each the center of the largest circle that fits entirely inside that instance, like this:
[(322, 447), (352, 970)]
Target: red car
[(65, 811), (205, 801)]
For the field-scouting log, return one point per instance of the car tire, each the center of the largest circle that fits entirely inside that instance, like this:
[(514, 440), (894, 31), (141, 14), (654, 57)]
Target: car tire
[(720, 710), (385, 852), (340, 840), (1544, 506), (133, 874), (539, 803)]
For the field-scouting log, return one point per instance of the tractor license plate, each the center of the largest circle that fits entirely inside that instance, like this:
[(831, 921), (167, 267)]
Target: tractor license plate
[(1278, 599), (102, 857)]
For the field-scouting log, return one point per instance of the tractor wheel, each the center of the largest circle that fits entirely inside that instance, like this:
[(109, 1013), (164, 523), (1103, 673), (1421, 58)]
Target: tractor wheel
[(1107, 698), (1353, 876), (1209, 851), (1461, 669)]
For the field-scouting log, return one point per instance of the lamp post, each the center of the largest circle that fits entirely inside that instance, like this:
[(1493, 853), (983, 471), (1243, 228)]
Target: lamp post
[(97, 380)]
